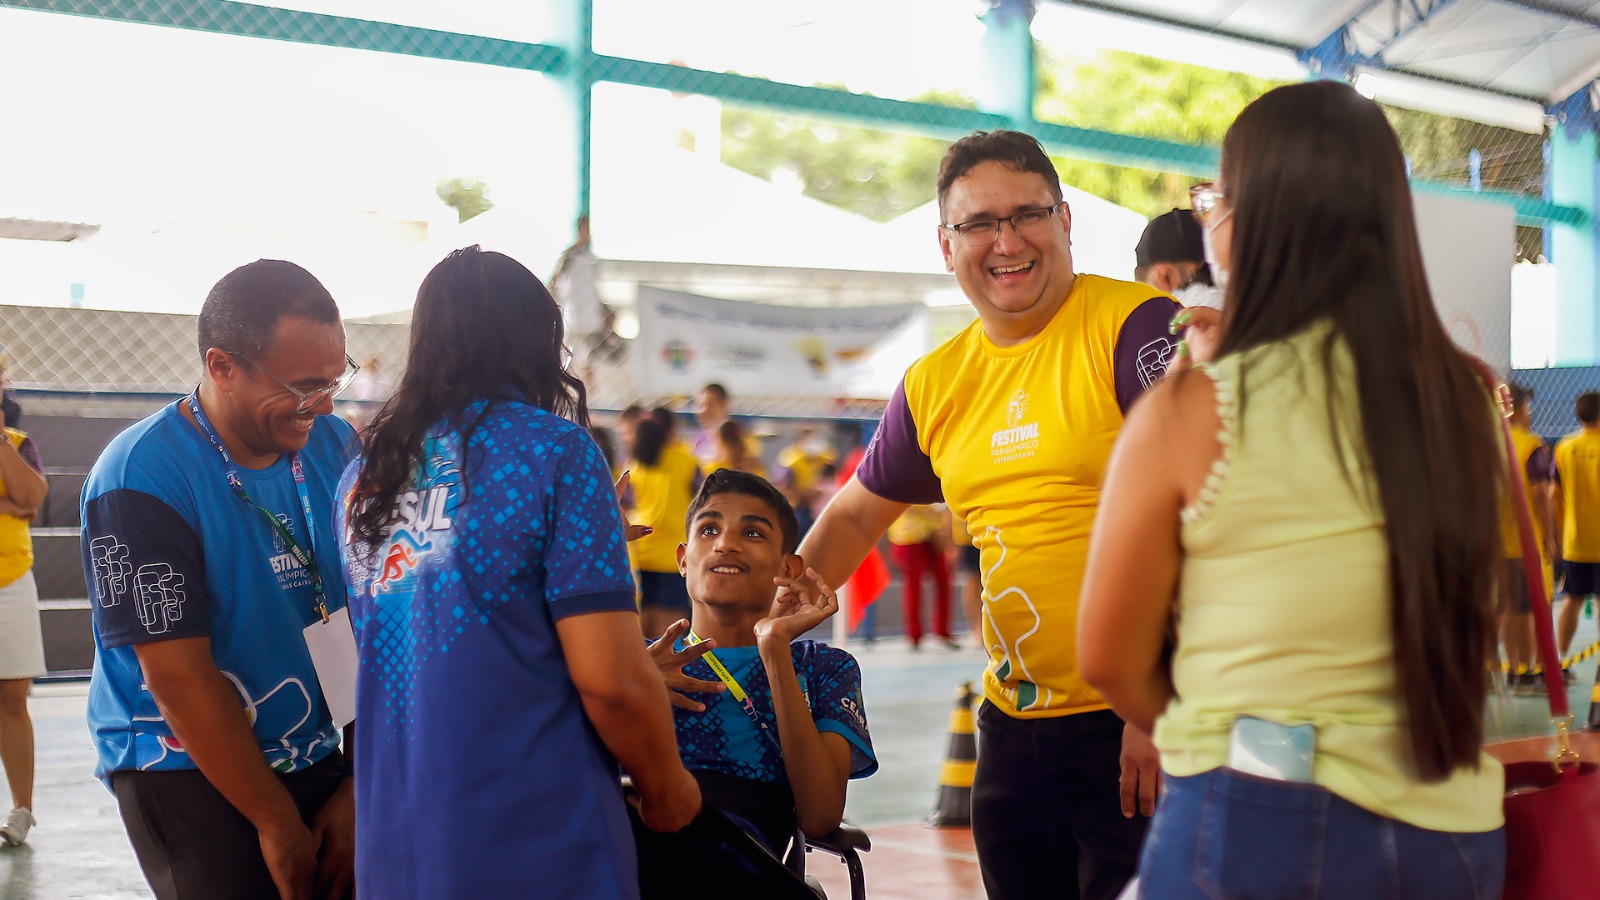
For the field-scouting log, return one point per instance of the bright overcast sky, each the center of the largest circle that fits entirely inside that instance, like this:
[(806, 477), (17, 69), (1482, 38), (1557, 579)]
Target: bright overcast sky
[(143, 128)]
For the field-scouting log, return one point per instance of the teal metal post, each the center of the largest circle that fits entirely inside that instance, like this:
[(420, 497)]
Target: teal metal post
[(572, 132), (1575, 249), (1010, 81)]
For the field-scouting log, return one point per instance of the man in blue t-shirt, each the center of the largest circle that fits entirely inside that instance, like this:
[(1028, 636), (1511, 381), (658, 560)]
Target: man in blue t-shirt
[(783, 758), (208, 551)]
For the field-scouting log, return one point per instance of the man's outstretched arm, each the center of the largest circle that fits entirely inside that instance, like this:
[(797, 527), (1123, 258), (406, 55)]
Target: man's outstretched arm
[(847, 530)]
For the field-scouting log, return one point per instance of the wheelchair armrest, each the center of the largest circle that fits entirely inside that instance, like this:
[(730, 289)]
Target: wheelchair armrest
[(841, 841)]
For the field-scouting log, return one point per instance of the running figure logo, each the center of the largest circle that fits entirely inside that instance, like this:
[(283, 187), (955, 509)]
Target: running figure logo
[(402, 558)]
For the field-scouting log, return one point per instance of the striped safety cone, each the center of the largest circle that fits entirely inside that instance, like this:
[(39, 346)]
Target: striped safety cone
[(1594, 702), (953, 808)]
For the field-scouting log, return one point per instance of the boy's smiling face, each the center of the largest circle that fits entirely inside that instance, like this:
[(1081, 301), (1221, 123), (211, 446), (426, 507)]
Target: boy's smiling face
[(734, 550)]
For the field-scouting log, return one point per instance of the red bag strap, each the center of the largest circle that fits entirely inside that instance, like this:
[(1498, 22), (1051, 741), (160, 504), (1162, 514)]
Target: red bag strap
[(1544, 630)]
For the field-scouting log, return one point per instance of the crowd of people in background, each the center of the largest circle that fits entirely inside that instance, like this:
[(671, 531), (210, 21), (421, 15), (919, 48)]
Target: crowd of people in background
[(1197, 518)]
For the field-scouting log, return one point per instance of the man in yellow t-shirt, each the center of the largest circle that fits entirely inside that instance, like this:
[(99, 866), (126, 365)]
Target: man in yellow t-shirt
[(1577, 514), (1516, 614), (1010, 423)]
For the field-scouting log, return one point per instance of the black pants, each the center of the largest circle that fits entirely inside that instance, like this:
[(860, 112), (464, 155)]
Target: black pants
[(193, 844), (1046, 812)]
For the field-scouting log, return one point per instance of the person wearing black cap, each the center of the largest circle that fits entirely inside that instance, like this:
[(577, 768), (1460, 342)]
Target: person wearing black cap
[(1172, 257)]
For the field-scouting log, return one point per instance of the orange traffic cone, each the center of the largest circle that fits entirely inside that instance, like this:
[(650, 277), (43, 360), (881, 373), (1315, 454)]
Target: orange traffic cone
[(953, 807)]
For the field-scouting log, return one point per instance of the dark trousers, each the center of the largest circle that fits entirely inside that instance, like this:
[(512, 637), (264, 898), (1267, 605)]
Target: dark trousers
[(193, 844), (1046, 812), (711, 858), (914, 561)]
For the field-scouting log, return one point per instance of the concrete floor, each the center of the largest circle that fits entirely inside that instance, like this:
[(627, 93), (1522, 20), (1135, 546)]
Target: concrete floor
[(79, 849)]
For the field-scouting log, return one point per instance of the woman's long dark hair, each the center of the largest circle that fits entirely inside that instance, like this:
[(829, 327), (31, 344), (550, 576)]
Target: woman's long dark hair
[(483, 328), (1323, 230), (649, 439), (734, 444)]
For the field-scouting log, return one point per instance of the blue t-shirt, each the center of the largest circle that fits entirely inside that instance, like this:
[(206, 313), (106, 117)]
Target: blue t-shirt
[(169, 551), (477, 771), (724, 739)]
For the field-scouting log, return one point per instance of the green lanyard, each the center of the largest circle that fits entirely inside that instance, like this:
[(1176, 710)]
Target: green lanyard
[(300, 554)]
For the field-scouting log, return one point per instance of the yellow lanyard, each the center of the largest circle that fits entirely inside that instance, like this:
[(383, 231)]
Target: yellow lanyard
[(738, 693)]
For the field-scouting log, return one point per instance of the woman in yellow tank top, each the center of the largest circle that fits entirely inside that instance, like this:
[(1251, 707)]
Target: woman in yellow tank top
[(22, 490), (1291, 578), (665, 476)]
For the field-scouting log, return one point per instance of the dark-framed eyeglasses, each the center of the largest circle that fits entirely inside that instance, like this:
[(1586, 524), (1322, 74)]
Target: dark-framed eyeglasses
[(1028, 223), (309, 400), (1205, 199)]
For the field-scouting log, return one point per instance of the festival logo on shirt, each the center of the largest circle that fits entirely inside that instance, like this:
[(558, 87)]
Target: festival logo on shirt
[(1020, 438), (291, 575)]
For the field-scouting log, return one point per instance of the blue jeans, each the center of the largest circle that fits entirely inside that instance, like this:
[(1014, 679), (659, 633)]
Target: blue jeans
[(1223, 834)]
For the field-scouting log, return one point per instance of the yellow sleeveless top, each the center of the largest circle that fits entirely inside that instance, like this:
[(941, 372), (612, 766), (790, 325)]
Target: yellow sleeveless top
[(1284, 596), (16, 544), (662, 494)]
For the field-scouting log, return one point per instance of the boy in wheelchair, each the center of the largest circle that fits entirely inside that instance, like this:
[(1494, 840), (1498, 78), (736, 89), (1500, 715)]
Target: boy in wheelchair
[(781, 728)]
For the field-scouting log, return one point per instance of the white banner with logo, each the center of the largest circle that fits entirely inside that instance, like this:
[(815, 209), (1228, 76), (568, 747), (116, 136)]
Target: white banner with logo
[(754, 349)]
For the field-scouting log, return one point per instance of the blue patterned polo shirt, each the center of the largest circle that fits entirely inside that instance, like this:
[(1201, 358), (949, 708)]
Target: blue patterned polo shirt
[(477, 772)]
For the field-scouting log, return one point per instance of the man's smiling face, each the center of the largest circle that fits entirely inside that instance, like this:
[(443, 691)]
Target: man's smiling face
[(734, 550), (1018, 281)]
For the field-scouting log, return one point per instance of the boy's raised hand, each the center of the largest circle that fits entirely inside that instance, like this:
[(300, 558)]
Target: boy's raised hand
[(802, 604), (671, 665)]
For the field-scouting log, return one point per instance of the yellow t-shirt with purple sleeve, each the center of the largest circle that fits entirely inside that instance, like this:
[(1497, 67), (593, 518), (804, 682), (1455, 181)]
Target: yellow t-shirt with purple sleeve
[(1015, 441)]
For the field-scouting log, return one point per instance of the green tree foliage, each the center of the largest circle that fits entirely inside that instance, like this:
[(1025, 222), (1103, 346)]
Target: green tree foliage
[(876, 174), (1145, 97), (467, 198), (1439, 146), (882, 174)]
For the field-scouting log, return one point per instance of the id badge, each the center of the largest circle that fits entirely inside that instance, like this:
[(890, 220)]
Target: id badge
[(333, 655), (1270, 750)]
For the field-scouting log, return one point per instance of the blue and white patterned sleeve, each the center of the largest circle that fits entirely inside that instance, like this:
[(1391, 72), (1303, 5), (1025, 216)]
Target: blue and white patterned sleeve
[(145, 570), (586, 557), (837, 706)]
